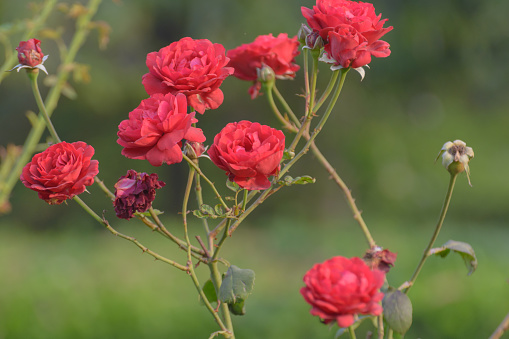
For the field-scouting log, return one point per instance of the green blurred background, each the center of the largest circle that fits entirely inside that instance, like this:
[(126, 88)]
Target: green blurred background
[(63, 276)]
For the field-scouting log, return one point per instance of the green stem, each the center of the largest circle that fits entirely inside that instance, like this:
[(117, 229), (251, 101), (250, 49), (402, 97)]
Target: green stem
[(286, 106), (351, 331), (32, 75), (198, 170), (425, 255), (380, 331), (52, 99), (190, 266), (344, 72), (327, 92), (199, 198)]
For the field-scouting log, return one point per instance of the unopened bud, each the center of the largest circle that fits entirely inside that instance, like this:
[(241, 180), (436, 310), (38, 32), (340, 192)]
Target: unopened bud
[(304, 31), (314, 41), (456, 156), (193, 150), (266, 74)]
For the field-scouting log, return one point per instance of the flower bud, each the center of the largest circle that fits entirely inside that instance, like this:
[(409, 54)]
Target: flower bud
[(456, 156), (193, 150), (304, 31), (314, 41), (30, 56), (266, 74)]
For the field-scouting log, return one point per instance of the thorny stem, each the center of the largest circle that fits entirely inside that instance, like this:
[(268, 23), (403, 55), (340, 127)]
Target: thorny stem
[(199, 198), (321, 158), (425, 255), (190, 267), (504, 326), (105, 223)]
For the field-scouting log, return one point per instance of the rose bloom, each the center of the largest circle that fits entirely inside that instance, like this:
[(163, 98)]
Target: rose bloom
[(195, 68), (135, 192), (348, 48), (61, 171), (156, 128), (249, 153), (339, 288), (266, 50), (30, 53), (328, 14)]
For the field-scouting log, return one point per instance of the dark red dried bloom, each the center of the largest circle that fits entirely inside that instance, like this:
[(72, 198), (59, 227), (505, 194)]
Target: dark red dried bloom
[(376, 258), (134, 192)]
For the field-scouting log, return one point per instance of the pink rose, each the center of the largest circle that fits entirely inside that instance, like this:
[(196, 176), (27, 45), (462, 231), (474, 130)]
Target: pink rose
[(61, 171), (339, 288), (249, 153), (348, 48), (135, 192), (156, 128), (328, 14), (29, 53), (276, 52), (195, 68)]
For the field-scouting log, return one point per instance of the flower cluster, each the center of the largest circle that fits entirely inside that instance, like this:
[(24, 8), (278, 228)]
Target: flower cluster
[(135, 192), (351, 31), (340, 288)]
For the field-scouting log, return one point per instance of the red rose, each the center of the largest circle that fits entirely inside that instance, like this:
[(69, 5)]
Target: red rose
[(278, 53), (61, 171), (29, 53), (348, 48), (156, 128), (134, 192), (249, 153), (195, 68), (328, 14), (339, 288)]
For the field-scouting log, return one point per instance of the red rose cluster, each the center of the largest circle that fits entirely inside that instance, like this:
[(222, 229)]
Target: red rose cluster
[(278, 53), (61, 171), (339, 288), (186, 73), (351, 31)]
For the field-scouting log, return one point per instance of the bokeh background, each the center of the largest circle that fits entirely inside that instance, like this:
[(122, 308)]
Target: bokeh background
[(63, 276)]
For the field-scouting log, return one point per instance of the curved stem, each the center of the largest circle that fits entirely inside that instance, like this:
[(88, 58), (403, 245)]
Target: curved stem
[(198, 170), (32, 75), (504, 326), (425, 255), (287, 108), (351, 331), (348, 194), (105, 223)]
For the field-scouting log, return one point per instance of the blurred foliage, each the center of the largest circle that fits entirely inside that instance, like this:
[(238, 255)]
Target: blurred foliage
[(446, 79)]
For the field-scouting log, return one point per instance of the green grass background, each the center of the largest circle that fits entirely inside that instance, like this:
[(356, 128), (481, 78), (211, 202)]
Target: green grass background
[(63, 276)]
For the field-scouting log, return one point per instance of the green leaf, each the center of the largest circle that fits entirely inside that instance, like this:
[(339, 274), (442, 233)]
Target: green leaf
[(238, 308), (287, 155), (209, 291), (207, 211), (397, 310), (305, 179), (462, 248), (219, 210), (237, 284), (232, 185), (199, 214)]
